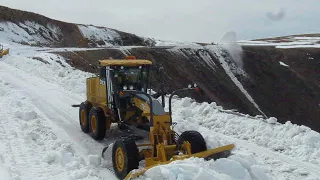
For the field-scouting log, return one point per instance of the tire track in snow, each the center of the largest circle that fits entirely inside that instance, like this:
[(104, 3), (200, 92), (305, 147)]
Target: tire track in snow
[(43, 96), (28, 137), (8, 159), (49, 102)]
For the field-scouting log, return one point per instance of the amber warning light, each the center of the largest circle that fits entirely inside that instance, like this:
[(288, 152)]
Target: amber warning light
[(130, 57)]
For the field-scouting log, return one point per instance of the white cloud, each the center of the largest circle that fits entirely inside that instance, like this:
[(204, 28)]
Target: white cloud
[(184, 20)]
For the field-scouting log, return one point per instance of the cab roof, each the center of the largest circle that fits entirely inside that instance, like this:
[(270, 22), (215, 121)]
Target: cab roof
[(126, 62)]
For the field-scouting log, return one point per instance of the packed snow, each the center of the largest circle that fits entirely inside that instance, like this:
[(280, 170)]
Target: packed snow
[(41, 138), (239, 168)]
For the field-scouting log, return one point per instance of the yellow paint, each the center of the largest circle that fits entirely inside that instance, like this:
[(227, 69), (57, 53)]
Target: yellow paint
[(120, 161), (93, 122), (4, 52), (142, 105), (96, 91), (96, 95), (129, 114), (83, 117)]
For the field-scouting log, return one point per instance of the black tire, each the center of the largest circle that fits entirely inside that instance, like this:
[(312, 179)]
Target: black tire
[(84, 110), (129, 160), (97, 123), (195, 139)]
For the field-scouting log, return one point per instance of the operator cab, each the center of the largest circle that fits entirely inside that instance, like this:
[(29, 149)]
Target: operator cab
[(129, 74), (131, 77), (120, 75)]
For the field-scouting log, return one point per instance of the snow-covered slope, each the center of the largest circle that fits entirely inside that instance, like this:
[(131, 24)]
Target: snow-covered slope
[(30, 33), (41, 137), (37, 30), (35, 34), (104, 36), (286, 42)]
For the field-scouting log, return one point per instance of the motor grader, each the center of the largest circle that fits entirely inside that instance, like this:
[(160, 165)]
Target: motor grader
[(119, 94), (3, 51)]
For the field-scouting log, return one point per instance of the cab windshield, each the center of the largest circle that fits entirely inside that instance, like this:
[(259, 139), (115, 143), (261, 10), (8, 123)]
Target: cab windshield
[(132, 78)]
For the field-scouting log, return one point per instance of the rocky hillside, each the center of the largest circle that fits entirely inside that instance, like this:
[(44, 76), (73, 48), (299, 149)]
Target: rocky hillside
[(33, 29), (288, 91), (273, 77)]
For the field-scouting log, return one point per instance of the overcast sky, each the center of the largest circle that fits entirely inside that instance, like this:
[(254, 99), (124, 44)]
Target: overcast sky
[(185, 20)]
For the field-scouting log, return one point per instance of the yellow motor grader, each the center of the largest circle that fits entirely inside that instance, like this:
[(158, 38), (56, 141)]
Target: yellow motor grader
[(119, 95), (3, 51)]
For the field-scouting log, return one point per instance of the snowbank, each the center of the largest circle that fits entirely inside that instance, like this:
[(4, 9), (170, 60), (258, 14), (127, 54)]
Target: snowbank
[(53, 68), (234, 168), (296, 141)]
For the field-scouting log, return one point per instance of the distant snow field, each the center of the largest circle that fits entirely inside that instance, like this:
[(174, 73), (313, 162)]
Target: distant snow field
[(286, 42), (41, 138)]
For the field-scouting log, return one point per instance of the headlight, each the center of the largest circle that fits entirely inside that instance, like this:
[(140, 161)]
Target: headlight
[(131, 87), (125, 87)]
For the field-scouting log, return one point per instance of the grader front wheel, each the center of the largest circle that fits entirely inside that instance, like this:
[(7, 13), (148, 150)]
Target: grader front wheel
[(125, 157), (196, 140)]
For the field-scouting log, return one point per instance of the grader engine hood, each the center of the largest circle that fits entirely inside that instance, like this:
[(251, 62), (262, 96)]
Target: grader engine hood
[(142, 102)]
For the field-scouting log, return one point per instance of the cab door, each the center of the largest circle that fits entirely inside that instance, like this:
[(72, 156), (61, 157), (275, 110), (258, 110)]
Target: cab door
[(109, 89)]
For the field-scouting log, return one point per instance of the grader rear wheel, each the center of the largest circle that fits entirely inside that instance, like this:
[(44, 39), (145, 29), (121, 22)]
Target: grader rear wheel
[(83, 116), (97, 123), (125, 157)]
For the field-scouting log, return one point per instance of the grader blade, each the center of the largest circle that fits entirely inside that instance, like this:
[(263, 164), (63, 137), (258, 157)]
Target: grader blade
[(216, 153)]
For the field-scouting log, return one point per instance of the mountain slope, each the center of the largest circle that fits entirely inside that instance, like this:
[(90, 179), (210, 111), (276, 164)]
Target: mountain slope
[(34, 29), (273, 78)]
